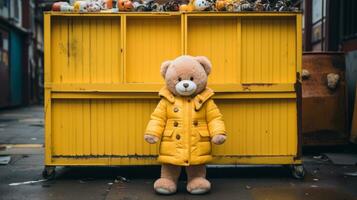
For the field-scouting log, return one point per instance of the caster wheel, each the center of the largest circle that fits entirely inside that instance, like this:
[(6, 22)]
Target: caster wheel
[(49, 173), (298, 171)]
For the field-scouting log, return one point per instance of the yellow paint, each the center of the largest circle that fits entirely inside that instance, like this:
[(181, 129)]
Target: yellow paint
[(21, 145), (102, 78)]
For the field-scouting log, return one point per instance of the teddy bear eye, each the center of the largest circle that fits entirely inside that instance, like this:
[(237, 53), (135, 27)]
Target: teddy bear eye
[(191, 78), (179, 79)]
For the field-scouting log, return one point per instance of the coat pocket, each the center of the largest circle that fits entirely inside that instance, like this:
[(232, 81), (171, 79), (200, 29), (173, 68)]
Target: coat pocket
[(167, 135), (204, 134)]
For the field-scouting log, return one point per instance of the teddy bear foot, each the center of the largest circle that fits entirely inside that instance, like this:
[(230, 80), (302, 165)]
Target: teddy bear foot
[(198, 185), (165, 186)]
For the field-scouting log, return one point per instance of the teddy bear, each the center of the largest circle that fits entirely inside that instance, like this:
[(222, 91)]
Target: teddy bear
[(186, 122)]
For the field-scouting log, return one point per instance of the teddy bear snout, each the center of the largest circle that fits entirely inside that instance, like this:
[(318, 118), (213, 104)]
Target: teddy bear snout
[(186, 87)]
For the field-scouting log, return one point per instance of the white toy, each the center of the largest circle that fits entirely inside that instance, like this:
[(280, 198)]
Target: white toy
[(94, 7), (81, 6), (201, 5)]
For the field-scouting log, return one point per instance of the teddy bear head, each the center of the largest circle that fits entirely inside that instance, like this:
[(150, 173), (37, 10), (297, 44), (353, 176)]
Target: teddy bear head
[(186, 75)]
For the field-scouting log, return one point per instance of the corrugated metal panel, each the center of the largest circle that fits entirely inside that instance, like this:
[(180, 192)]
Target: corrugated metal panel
[(115, 127), (149, 42), (211, 36), (101, 127), (268, 50), (85, 50), (259, 127)]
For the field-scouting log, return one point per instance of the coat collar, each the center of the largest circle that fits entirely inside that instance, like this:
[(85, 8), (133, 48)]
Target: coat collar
[(201, 98), (198, 100), (165, 93)]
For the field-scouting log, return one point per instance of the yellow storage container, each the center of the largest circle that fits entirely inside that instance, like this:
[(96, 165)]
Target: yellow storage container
[(102, 76)]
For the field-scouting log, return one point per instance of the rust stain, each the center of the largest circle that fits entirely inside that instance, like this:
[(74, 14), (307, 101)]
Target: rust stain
[(70, 48), (258, 84)]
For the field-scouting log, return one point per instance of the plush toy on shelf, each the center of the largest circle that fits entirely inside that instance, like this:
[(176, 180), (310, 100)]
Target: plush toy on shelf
[(220, 5), (172, 5), (125, 5), (105, 4), (94, 7), (62, 7), (241, 5), (187, 7), (185, 123), (201, 5), (262, 5), (81, 6)]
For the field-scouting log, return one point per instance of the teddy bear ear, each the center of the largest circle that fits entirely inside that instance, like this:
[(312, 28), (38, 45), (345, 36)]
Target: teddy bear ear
[(205, 63), (164, 66)]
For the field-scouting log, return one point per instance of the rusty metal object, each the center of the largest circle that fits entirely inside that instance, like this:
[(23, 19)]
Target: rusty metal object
[(324, 113), (353, 138)]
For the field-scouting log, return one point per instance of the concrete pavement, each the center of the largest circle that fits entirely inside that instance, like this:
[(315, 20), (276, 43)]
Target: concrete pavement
[(21, 125)]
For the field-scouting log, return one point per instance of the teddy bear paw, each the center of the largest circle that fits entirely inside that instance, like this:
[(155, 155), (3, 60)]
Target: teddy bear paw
[(151, 138), (198, 185), (219, 139), (165, 186)]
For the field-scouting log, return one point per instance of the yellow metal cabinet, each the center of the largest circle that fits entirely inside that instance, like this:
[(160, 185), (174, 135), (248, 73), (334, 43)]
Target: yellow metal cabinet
[(102, 80)]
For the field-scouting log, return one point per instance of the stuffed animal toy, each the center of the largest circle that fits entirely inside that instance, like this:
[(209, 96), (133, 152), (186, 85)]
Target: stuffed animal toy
[(201, 5), (185, 122), (186, 7), (243, 5), (62, 6), (94, 6), (220, 5), (139, 6), (105, 4), (171, 5), (154, 6), (81, 6), (261, 5), (125, 5)]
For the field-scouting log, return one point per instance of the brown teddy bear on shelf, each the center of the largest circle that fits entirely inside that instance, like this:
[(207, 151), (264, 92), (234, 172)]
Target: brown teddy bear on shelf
[(185, 121)]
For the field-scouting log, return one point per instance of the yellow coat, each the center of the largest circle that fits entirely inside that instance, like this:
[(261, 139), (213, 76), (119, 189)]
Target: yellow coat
[(185, 126)]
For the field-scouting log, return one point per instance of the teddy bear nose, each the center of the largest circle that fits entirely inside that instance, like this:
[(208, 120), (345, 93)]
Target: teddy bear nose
[(185, 85)]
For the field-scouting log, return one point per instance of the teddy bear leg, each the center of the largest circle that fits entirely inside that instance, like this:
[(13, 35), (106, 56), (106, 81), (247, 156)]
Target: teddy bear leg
[(196, 179), (167, 183)]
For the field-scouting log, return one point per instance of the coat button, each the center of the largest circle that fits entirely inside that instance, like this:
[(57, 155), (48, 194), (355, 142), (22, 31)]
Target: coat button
[(176, 109), (200, 101), (178, 137), (175, 124), (195, 122)]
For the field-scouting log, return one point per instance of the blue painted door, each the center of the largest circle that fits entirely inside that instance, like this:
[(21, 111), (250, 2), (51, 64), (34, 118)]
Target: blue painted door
[(16, 76)]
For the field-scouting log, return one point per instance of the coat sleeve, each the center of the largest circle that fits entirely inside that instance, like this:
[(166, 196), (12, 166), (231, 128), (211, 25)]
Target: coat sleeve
[(214, 119), (157, 121)]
